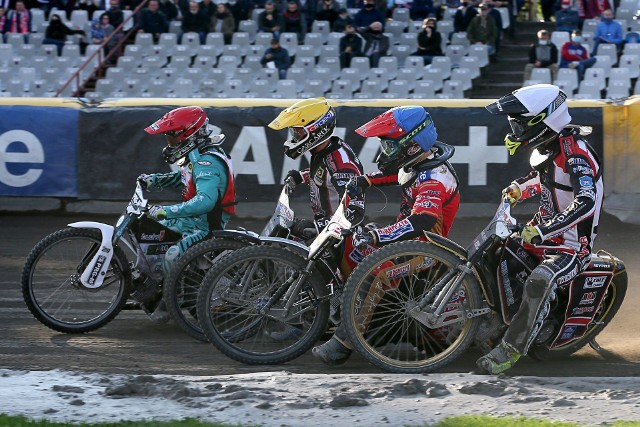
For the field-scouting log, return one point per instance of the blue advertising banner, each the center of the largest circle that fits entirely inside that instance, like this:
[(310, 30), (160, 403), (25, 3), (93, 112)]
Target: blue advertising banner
[(38, 151)]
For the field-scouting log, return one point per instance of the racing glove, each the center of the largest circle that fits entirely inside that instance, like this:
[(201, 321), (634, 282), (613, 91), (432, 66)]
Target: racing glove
[(293, 178), (157, 212), (357, 185), (530, 234), (512, 194), (362, 239), (145, 181), (304, 228)]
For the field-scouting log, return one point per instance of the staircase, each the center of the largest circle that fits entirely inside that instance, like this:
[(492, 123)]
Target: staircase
[(506, 73)]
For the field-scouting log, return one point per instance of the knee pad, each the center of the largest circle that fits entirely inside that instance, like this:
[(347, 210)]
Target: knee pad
[(170, 259), (536, 285)]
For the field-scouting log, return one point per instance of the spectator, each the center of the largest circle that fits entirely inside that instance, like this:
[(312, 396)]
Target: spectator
[(483, 29), (169, 9), (57, 32), (350, 46), (270, 20), (608, 31), (153, 21), (368, 15), (495, 14), (567, 19), (101, 29), (328, 12), (240, 10), (429, 41), (89, 5), (194, 21), (344, 19), (209, 8), (222, 22), (294, 21), (3, 22), (19, 21), (542, 54), (546, 7), (277, 57), (574, 55), (421, 9), (594, 8), (463, 17), (116, 15), (376, 43)]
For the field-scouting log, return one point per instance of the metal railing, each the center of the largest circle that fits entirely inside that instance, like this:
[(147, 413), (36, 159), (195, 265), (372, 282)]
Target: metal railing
[(116, 50)]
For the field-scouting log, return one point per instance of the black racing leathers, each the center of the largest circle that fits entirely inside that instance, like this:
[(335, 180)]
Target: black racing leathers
[(328, 176)]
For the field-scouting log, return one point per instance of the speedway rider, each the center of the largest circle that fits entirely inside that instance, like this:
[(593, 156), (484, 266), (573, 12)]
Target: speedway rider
[(205, 174), (412, 158), (333, 163), (566, 172)]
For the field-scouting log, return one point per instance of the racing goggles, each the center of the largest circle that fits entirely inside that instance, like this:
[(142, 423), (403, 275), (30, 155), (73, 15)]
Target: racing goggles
[(298, 134), (389, 146), (172, 138)]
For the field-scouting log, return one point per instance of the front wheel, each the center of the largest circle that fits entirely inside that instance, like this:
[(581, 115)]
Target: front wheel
[(380, 301), (183, 283), (51, 285), (257, 308)]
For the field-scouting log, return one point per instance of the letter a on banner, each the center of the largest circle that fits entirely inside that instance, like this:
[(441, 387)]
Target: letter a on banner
[(253, 138)]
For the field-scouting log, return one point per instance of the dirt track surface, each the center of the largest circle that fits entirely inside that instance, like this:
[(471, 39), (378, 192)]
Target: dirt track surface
[(132, 344)]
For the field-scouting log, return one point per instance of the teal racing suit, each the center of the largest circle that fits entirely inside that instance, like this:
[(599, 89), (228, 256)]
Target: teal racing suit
[(208, 199)]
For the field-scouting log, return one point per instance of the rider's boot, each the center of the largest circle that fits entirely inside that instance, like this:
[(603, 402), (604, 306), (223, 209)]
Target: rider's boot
[(288, 332), (498, 360), (160, 314), (333, 352)]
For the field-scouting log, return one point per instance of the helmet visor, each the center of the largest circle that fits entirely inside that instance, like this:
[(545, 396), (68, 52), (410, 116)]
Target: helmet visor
[(298, 134)]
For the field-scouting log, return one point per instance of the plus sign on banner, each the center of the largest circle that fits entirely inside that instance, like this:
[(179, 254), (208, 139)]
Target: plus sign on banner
[(478, 155)]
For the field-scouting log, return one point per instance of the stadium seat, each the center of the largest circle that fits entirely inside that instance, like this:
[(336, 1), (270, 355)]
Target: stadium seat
[(453, 88), (632, 63)]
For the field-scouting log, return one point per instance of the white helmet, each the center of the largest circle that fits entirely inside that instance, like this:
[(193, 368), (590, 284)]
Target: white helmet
[(537, 114)]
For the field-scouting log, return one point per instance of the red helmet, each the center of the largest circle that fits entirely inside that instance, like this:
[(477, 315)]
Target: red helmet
[(186, 128)]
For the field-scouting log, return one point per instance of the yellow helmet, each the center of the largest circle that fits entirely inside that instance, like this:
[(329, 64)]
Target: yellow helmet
[(310, 121)]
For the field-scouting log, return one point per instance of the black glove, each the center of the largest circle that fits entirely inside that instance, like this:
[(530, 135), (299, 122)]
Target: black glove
[(357, 185), (304, 228), (145, 181), (295, 175), (362, 239)]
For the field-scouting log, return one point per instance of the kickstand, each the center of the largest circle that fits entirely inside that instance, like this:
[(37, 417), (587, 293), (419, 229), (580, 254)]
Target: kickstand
[(594, 345)]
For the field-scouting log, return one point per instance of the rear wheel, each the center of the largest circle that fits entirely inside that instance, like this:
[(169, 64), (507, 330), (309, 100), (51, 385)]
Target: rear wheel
[(51, 285), (236, 291), (182, 285), (607, 310), (380, 298)]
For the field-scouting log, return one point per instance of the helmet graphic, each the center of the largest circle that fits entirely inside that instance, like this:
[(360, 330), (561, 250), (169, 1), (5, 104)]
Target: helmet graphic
[(310, 121), (186, 128), (405, 134), (536, 115)]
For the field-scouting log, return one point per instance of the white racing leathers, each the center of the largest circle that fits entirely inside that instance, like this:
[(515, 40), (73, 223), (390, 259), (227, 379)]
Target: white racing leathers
[(569, 181)]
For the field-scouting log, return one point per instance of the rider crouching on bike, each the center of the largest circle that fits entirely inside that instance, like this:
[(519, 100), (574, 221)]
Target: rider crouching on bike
[(566, 172), (205, 174), (412, 158), (311, 123)]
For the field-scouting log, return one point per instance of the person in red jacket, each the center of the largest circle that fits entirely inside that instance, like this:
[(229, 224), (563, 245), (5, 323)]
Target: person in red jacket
[(575, 55), (412, 158)]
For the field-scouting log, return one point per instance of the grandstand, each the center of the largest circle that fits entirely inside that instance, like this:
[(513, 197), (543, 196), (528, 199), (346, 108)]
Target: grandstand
[(215, 70)]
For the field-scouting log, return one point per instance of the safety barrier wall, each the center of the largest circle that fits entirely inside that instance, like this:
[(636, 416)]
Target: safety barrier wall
[(65, 149)]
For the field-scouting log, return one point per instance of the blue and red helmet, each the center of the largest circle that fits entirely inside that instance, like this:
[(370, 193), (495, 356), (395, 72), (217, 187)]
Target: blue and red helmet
[(405, 134)]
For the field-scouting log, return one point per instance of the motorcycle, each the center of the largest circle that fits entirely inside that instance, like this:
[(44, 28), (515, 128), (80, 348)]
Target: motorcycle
[(268, 304), (78, 279), (415, 307), (182, 284)]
